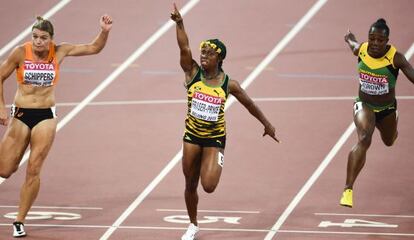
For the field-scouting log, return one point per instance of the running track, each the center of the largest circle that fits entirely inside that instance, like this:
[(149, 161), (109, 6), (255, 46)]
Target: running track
[(102, 170)]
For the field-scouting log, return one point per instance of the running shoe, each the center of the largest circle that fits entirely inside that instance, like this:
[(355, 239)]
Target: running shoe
[(191, 232), (18, 230), (346, 199)]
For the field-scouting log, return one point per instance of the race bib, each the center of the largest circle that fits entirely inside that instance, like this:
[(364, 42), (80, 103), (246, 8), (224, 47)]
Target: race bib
[(373, 85), (205, 107), (38, 74)]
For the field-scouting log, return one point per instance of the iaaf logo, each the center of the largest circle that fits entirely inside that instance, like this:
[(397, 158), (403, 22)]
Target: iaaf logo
[(207, 98), (38, 66), (373, 79)]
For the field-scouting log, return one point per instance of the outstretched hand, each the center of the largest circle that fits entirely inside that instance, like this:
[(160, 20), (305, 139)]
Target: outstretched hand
[(270, 130), (349, 36), (175, 15), (106, 23)]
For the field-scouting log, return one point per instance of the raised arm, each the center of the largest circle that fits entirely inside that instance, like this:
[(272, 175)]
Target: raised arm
[(186, 59), (66, 49), (238, 92), (401, 62), (6, 69), (352, 42)]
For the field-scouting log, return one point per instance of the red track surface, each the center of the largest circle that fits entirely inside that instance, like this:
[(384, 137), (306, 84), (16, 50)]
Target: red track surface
[(107, 155)]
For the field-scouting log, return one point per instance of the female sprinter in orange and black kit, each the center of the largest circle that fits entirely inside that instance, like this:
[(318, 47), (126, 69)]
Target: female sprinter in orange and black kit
[(375, 106), (33, 117), (208, 88)]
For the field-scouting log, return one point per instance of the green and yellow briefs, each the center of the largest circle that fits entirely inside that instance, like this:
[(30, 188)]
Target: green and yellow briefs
[(205, 116), (376, 75)]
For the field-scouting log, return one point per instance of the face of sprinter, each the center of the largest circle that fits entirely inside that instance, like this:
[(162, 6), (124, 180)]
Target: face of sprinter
[(41, 40), (377, 42), (209, 58)]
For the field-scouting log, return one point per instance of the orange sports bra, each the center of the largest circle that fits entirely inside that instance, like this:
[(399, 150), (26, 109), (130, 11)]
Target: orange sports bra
[(38, 73)]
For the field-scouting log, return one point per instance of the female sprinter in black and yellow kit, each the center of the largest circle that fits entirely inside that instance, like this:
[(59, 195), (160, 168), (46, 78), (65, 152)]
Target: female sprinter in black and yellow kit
[(376, 106), (208, 88)]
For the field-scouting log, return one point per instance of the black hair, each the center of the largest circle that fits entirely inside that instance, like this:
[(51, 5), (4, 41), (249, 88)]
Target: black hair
[(223, 51), (380, 24), (44, 25)]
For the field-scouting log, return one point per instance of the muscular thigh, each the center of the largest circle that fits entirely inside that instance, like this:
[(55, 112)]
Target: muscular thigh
[(42, 137), (364, 119), (212, 162), (388, 126), (14, 143), (191, 161)]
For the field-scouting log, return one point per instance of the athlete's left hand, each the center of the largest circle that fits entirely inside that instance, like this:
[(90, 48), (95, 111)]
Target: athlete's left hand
[(106, 23), (270, 130)]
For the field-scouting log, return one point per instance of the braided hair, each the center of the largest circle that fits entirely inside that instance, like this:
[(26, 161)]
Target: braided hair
[(44, 25), (218, 46), (380, 24)]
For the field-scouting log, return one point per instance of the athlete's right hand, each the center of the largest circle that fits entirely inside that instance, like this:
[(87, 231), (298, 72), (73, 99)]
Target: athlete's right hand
[(175, 15), (349, 36), (4, 116)]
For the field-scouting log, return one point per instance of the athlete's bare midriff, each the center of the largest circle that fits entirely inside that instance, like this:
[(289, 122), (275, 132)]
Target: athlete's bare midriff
[(28, 96)]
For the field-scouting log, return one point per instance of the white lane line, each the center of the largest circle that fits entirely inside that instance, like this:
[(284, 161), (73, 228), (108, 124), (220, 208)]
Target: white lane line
[(180, 101), (410, 52), (207, 211), (55, 207), (133, 57), (282, 44), (137, 227), (251, 230), (28, 30), (142, 196), (276, 227), (173, 162), (316, 76), (297, 99), (364, 215), (350, 233), (57, 225), (152, 185), (309, 183)]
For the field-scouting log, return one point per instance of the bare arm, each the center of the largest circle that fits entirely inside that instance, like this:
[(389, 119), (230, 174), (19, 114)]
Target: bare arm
[(352, 42), (186, 59), (239, 93), (66, 49), (6, 69), (401, 62)]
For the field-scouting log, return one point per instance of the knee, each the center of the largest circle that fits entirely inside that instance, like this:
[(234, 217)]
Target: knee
[(33, 172), (209, 187), (390, 142), (6, 173), (365, 139), (191, 185)]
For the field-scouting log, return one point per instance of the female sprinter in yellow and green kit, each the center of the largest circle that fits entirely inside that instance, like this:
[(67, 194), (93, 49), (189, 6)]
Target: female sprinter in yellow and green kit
[(376, 106), (208, 88)]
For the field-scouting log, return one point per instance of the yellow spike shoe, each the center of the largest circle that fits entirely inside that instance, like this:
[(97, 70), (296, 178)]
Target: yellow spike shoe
[(346, 199)]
